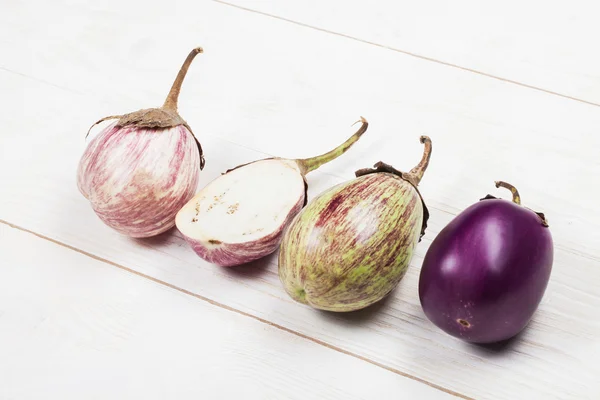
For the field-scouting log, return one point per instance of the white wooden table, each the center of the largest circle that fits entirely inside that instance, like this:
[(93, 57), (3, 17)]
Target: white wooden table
[(507, 90)]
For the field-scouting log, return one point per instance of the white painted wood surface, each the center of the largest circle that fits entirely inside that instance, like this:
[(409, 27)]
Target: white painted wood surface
[(267, 86), (72, 327), (541, 44)]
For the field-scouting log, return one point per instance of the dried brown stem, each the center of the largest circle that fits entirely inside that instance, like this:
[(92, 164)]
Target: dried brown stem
[(416, 174), (173, 96), (516, 197)]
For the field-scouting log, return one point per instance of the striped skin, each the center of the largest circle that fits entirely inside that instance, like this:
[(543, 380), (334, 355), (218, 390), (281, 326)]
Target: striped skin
[(352, 244), (136, 179)]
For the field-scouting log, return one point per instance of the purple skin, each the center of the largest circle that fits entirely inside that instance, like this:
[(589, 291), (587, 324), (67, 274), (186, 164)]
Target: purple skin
[(486, 272)]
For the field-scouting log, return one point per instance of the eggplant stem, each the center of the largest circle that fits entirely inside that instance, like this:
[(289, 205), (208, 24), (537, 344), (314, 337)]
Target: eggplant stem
[(310, 164), (416, 174), (173, 96), (516, 197)]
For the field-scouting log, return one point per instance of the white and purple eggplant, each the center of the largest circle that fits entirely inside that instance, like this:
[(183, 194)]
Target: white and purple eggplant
[(351, 245), (241, 215), (140, 170)]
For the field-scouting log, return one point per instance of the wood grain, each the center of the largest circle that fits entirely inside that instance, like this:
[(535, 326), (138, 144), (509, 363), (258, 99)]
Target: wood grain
[(284, 90), (123, 337), (394, 333), (541, 45)]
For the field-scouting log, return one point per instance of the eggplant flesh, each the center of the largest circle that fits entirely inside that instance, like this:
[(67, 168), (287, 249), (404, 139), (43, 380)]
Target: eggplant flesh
[(258, 200)]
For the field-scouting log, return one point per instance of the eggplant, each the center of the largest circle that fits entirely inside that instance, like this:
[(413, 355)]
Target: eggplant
[(241, 215), (140, 170), (351, 245), (486, 272)]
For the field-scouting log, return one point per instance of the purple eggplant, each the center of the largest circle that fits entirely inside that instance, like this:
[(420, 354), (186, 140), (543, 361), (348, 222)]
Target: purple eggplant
[(486, 272)]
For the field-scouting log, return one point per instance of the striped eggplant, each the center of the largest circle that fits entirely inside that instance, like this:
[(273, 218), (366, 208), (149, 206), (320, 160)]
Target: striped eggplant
[(241, 215), (140, 170), (352, 244)]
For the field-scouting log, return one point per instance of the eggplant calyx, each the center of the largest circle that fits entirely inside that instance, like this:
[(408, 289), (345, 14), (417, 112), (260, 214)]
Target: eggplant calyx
[(543, 218), (488, 197), (516, 199), (382, 167), (413, 177), (163, 117)]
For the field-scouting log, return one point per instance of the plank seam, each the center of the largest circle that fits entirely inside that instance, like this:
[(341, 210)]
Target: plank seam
[(45, 82), (240, 312), (408, 53)]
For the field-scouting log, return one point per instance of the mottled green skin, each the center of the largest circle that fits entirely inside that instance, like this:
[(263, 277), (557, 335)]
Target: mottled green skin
[(350, 246)]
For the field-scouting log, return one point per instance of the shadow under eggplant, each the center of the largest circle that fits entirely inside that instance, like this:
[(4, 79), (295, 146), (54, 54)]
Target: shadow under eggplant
[(253, 269), (156, 241), (363, 315), (498, 348)]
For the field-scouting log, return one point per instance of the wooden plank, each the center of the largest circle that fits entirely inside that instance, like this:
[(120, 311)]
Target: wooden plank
[(545, 45), (563, 336), (297, 99), (79, 328), (250, 89)]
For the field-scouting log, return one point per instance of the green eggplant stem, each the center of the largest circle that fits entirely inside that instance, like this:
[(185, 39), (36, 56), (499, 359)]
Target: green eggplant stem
[(516, 197), (310, 164), (173, 96)]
